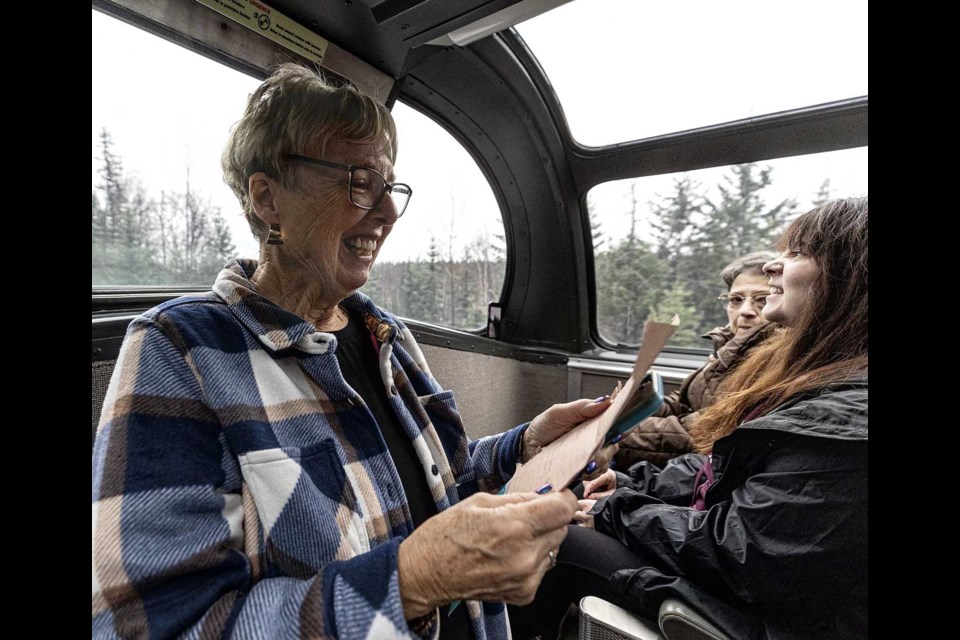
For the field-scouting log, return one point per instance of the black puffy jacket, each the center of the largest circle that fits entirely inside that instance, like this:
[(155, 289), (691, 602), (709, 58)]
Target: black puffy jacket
[(781, 549)]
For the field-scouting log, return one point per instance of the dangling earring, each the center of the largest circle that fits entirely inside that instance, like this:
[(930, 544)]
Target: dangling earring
[(274, 237)]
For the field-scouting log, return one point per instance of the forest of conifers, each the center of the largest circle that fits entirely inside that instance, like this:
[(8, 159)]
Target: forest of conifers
[(669, 261)]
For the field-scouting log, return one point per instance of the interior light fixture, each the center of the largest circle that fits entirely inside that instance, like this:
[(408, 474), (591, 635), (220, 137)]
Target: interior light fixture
[(503, 19)]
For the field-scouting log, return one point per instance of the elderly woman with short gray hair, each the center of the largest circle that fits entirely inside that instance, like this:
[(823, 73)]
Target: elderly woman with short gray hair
[(274, 457)]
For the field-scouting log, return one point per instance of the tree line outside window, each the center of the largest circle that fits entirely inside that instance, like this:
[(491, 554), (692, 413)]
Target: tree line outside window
[(689, 235), (176, 240)]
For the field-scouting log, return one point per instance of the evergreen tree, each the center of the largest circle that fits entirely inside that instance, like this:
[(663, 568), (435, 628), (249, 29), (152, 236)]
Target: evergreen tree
[(628, 287), (99, 220), (673, 223), (114, 193), (499, 243), (482, 258), (136, 257), (197, 240), (219, 246), (419, 290), (736, 223), (181, 241), (121, 224), (435, 269), (596, 234), (677, 300), (372, 287), (182, 232), (433, 304), (451, 279), (633, 213), (823, 193), (741, 220), (196, 223)]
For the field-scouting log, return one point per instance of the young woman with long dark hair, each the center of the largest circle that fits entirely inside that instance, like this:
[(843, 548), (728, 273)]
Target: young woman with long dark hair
[(764, 530)]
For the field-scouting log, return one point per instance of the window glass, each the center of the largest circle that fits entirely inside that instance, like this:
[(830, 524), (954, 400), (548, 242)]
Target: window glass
[(444, 261), (660, 242), (162, 215), (660, 67)]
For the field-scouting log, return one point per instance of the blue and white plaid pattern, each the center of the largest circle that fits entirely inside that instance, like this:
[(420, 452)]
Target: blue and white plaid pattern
[(242, 489)]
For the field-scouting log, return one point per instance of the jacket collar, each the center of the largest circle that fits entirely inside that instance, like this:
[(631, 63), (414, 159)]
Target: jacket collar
[(275, 327), (719, 336), (837, 410)]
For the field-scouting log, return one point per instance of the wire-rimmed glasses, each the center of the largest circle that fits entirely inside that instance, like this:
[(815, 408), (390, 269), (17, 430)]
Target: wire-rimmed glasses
[(734, 300), (366, 186)]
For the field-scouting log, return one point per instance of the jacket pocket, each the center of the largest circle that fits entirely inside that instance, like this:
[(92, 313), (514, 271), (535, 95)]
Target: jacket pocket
[(441, 409), (307, 507)]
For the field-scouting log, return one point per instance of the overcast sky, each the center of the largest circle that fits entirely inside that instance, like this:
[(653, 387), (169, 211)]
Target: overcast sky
[(695, 62)]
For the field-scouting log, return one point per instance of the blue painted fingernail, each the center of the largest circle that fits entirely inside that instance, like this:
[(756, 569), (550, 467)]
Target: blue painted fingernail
[(617, 439), (600, 399), (591, 467), (545, 488)]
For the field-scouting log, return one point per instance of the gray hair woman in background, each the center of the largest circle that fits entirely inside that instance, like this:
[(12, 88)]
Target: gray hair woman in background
[(274, 458), (666, 434)]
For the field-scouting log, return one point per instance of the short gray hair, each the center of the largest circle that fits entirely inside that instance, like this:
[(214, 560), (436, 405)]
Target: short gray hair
[(751, 263), (293, 110)]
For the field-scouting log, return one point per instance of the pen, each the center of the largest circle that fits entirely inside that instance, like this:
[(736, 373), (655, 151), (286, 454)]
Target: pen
[(545, 489), (614, 440)]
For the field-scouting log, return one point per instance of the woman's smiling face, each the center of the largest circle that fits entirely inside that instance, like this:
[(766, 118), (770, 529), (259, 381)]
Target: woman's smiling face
[(792, 277), (323, 230)]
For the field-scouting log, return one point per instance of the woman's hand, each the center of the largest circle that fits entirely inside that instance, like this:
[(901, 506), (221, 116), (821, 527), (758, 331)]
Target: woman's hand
[(557, 420), (488, 547), (581, 517), (599, 463), (601, 486)]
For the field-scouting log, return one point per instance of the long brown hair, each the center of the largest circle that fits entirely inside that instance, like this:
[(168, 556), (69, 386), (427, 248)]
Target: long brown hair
[(827, 343)]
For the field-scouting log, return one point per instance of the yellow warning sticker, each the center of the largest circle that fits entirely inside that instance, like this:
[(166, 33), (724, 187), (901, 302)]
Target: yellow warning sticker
[(272, 24)]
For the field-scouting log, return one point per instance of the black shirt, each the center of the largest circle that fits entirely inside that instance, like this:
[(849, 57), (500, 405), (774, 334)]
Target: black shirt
[(360, 367)]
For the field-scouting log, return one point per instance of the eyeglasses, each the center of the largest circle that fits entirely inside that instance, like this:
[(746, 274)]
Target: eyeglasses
[(733, 300), (366, 186)]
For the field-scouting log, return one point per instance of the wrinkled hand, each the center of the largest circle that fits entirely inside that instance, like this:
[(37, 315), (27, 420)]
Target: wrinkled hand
[(556, 421), (601, 486), (488, 547), (581, 517)]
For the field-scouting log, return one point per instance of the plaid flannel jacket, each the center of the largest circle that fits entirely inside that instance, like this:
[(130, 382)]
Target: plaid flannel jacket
[(242, 489)]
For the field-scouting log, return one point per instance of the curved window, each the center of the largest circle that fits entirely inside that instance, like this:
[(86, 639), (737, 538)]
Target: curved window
[(162, 215), (659, 67), (660, 242), (444, 261)]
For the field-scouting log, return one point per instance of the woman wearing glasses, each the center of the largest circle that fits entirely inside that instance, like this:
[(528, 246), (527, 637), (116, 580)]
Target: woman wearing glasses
[(666, 434), (274, 458), (764, 529)]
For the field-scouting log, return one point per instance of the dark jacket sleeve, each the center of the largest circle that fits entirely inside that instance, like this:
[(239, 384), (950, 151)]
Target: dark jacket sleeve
[(673, 483), (790, 536)]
